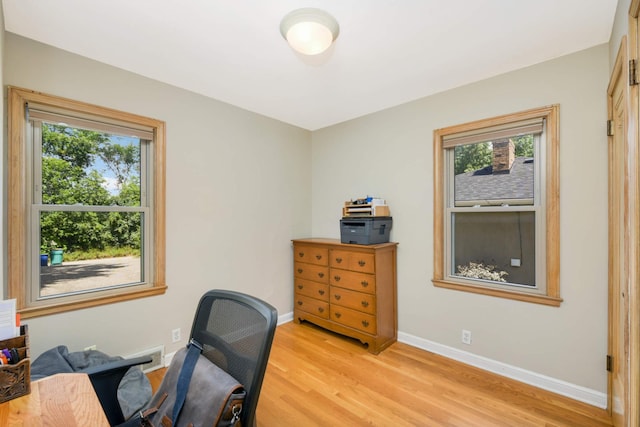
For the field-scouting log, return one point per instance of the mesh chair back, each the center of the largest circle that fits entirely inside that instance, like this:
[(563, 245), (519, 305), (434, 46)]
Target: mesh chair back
[(236, 331)]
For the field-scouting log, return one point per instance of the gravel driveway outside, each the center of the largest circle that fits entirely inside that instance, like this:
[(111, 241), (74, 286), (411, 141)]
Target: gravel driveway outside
[(90, 274)]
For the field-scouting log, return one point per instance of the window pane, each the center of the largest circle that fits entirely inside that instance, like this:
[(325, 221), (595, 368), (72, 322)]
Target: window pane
[(489, 245), (83, 251), (90, 168), (494, 172)]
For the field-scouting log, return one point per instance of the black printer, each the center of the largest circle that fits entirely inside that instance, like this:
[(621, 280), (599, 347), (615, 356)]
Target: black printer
[(365, 230)]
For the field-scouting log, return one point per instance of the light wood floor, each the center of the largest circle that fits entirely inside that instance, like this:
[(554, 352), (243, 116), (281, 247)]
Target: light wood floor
[(317, 378)]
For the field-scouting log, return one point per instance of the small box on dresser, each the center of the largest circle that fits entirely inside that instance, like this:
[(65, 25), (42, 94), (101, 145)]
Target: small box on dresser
[(15, 379), (348, 289)]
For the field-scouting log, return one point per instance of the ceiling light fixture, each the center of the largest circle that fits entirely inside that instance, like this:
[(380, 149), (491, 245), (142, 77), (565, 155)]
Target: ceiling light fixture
[(309, 31)]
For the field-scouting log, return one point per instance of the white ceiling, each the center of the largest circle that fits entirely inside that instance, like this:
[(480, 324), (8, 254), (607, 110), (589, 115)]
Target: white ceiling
[(388, 52)]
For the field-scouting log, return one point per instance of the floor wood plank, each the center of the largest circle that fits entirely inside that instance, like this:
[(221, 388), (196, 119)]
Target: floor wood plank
[(318, 378)]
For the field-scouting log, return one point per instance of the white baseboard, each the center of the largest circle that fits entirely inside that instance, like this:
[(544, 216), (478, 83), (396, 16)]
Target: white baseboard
[(573, 391), (287, 317), (167, 358)]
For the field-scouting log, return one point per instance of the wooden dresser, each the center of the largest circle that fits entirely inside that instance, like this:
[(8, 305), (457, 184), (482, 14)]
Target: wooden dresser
[(349, 289)]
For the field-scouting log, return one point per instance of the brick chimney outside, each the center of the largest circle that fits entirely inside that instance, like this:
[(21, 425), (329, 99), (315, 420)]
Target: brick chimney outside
[(504, 153)]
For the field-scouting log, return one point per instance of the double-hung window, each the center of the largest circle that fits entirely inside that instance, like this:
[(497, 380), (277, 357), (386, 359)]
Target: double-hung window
[(86, 194), (496, 206)]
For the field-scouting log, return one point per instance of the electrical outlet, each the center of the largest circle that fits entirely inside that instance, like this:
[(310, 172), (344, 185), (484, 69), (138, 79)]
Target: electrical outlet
[(175, 335), (515, 262), (466, 337)]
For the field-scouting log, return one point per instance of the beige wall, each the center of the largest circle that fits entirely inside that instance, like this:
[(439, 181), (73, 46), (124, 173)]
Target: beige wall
[(620, 28), (389, 155), (237, 193)]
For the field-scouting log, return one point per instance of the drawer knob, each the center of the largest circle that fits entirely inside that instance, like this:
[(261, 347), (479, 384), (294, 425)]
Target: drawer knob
[(318, 257), (338, 315), (336, 278), (336, 296), (299, 302), (300, 286), (338, 260), (300, 254), (365, 323), (361, 263), (321, 275), (364, 283), (300, 270), (365, 304), (321, 310), (321, 292)]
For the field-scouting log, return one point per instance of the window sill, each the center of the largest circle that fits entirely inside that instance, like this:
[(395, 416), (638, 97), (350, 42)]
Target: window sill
[(31, 312), (500, 293)]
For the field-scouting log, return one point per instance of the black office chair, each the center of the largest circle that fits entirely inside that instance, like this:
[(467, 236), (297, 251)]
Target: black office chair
[(236, 332)]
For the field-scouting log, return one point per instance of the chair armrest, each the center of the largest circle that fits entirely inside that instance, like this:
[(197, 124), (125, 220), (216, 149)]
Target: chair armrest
[(110, 368), (106, 378)]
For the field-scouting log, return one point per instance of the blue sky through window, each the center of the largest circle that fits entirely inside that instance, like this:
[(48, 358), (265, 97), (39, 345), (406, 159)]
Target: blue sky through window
[(111, 182)]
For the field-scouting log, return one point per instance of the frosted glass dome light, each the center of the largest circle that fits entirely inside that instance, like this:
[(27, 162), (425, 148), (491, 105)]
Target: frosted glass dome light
[(309, 31)]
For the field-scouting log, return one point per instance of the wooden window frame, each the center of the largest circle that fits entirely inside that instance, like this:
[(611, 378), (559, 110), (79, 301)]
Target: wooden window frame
[(18, 206), (551, 296)]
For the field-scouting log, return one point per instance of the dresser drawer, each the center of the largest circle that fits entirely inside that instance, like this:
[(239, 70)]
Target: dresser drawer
[(313, 272), (312, 305), (356, 261), (354, 319), (351, 299), (311, 289), (311, 254), (351, 280)]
